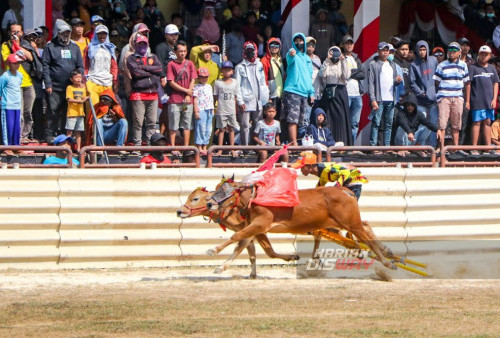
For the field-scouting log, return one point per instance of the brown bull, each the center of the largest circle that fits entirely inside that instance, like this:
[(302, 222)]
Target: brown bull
[(196, 205), (322, 207)]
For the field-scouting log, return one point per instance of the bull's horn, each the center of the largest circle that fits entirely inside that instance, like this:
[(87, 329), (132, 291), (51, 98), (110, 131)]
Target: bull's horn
[(232, 178)]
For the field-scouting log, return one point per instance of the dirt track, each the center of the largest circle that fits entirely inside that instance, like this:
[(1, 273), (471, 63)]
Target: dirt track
[(177, 302)]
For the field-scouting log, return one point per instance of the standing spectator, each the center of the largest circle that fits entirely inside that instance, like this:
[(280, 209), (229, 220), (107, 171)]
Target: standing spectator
[(323, 32), (111, 121), (438, 52), (77, 26), (412, 127), (451, 77), (482, 97), (201, 56), (30, 64), (251, 30), (226, 94), (184, 32), (274, 73), (181, 74), (234, 43), (76, 95), (383, 80), (203, 106), (13, 15), (95, 21), (267, 132), (422, 84), (10, 95), (236, 18), (334, 73), (354, 84), (262, 16), (165, 53), (209, 28), (60, 58), (316, 63), (298, 85), (254, 92), (145, 69), (40, 105), (401, 59), (99, 62), (465, 52)]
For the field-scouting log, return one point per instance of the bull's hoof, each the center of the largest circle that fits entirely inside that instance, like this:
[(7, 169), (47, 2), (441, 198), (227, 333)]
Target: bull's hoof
[(295, 258), (253, 276), (211, 252), (219, 270), (389, 265)]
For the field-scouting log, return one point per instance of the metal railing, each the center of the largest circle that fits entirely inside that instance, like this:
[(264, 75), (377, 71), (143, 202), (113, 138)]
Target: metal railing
[(343, 150), (451, 149), (43, 149), (88, 149), (256, 148)]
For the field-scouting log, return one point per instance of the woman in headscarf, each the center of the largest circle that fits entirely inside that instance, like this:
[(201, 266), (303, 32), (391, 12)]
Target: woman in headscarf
[(99, 62), (209, 28), (334, 74)]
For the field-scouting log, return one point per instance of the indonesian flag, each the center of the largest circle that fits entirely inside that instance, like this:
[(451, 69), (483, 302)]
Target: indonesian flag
[(295, 19)]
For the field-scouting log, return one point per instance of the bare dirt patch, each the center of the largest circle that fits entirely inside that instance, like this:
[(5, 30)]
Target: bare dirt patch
[(193, 301)]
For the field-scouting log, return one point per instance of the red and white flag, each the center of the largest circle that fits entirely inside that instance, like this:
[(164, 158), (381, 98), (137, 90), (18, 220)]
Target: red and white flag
[(295, 18)]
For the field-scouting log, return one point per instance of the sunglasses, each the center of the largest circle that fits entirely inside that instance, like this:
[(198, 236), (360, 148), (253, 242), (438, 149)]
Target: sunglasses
[(274, 46), (453, 50), (438, 54)]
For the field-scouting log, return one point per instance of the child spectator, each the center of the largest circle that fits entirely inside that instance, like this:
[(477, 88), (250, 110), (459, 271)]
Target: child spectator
[(319, 130), (61, 157), (203, 110), (495, 131), (267, 132), (10, 94), (226, 94), (76, 95), (156, 139)]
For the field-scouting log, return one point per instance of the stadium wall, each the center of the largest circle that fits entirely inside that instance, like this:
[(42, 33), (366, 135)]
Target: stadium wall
[(114, 218)]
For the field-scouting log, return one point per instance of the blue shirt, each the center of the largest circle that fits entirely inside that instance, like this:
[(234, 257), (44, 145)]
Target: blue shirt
[(57, 160), (451, 77), (10, 90)]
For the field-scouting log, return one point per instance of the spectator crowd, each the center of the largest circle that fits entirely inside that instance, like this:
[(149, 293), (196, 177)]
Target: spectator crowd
[(120, 72)]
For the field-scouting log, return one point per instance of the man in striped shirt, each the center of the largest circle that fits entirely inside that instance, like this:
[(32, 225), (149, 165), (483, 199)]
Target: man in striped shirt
[(451, 77)]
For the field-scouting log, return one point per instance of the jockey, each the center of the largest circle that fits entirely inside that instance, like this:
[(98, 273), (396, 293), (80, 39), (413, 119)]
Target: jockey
[(341, 174)]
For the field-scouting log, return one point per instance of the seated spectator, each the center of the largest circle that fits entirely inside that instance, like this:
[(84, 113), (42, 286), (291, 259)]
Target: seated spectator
[(412, 127), (111, 121), (319, 130), (160, 140), (61, 156)]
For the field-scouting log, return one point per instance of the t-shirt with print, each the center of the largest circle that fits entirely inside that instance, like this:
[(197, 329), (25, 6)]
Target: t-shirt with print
[(267, 132), (76, 93), (182, 74), (205, 96), (226, 93), (482, 81)]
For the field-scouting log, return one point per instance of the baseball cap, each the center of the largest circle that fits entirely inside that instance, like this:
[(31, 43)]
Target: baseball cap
[(485, 49), (438, 50), (96, 18), (39, 31), (63, 138), (202, 71), (305, 158), (227, 64), (101, 29), (30, 32), (310, 39), (463, 41), (14, 58), (64, 28), (156, 137), (114, 32), (249, 46), (453, 45), (141, 38), (347, 38), (391, 48), (140, 27), (383, 45), (171, 29), (76, 21)]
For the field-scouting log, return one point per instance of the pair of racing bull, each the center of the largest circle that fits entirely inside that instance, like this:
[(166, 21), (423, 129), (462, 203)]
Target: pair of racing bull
[(322, 212)]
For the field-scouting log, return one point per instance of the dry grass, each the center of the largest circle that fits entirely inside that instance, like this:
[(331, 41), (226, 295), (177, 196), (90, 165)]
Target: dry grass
[(202, 306)]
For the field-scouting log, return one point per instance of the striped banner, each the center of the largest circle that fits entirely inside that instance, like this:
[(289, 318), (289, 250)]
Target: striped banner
[(295, 18), (366, 39)]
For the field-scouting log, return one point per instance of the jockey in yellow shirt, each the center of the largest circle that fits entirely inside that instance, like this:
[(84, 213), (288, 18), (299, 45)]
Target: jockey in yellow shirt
[(341, 174)]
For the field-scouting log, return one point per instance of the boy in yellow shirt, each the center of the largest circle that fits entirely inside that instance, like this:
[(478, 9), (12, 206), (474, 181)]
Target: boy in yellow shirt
[(76, 95)]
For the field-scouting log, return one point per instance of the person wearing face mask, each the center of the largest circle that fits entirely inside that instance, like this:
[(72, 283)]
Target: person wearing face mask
[(334, 74), (298, 85), (99, 62), (488, 23), (60, 57), (250, 77)]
